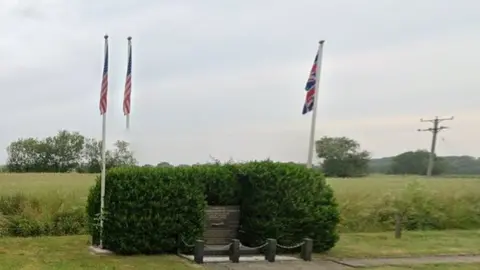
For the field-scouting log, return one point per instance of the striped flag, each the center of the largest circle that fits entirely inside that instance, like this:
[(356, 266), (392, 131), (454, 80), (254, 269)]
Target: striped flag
[(310, 87), (128, 81), (104, 90)]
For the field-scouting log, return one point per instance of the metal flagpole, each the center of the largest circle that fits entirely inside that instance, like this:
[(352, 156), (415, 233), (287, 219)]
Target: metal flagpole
[(103, 108), (311, 144)]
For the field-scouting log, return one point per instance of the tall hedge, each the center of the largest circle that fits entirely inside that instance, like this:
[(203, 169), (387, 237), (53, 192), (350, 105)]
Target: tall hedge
[(287, 202), (220, 184), (148, 210)]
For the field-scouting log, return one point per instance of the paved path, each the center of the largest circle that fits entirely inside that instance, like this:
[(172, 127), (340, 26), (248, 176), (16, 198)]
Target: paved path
[(285, 265), (342, 264), (410, 261)]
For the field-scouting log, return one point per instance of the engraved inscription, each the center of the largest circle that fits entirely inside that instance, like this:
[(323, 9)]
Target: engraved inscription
[(221, 224)]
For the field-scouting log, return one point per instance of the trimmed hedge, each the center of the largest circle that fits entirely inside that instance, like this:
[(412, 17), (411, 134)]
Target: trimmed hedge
[(287, 202), (221, 186), (148, 210)]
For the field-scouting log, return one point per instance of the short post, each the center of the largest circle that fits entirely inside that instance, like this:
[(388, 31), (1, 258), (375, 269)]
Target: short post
[(271, 250), (234, 252), (398, 226), (199, 251), (307, 248)]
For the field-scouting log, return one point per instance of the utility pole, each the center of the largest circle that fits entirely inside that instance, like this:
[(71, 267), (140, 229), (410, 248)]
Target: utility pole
[(434, 131)]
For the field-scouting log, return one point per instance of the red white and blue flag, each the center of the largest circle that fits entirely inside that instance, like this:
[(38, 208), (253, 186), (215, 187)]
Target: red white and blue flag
[(104, 88), (128, 81), (311, 88)]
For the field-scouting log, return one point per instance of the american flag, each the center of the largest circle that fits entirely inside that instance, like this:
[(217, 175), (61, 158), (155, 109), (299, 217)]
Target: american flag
[(128, 81), (104, 90), (310, 87)]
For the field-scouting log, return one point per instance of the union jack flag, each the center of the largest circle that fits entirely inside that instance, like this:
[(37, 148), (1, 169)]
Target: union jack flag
[(310, 88)]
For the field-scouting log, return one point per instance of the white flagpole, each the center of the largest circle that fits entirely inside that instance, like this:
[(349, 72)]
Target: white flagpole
[(102, 177), (311, 144)]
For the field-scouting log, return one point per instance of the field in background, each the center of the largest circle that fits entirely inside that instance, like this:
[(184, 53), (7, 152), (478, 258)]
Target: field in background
[(366, 204)]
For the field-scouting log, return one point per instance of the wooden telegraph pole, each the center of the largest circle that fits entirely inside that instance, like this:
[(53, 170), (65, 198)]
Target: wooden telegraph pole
[(435, 129)]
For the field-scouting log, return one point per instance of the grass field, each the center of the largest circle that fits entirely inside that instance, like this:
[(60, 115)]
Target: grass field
[(366, 204), (70, 252)]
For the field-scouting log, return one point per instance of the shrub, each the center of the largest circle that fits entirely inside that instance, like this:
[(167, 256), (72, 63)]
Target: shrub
[(221, 186), (13, 204), (69, 222), (287, 202), (148, 210), (24, 226)]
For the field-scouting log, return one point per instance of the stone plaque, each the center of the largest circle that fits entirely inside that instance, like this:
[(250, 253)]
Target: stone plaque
[(221, 224)]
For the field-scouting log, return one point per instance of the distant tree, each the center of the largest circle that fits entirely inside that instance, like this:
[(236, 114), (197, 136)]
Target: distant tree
[(455, 165), (462, 165), (164, 164), (64, 152), (23, 155), (416, 162), (183, 165), (60, 153), (122, 155), (342, 157), (380, 165), (92, 156)]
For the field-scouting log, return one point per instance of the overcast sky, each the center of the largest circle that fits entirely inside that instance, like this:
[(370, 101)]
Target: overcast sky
[(226, 78)]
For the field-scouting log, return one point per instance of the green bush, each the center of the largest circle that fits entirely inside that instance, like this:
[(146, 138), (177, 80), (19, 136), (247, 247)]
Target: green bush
[(70, 222), (13, 204), (148, 210), (24, 226), (221, 186), (287, 202), (156, 210)]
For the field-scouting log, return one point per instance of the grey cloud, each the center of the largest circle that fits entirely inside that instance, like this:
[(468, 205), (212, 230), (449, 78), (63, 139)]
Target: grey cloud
[(226, 78)]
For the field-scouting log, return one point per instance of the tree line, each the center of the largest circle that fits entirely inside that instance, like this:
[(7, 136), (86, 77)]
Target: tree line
[(338, 157), (65, 152), (343, 157)]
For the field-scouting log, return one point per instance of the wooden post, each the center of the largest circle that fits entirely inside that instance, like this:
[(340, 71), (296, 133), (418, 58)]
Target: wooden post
[(306, 253), (271, 250), (398, 226), (199, 251), (235, 251)]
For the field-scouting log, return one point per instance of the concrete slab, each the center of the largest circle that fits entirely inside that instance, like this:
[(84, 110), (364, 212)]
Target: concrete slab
[(99, 251), (250, 258)]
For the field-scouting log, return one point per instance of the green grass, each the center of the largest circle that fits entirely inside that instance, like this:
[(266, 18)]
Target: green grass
[(71, 253), (366, 204), (420, 243)]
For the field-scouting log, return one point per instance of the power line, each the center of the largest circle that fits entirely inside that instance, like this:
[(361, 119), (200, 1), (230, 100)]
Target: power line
[(435, 129)]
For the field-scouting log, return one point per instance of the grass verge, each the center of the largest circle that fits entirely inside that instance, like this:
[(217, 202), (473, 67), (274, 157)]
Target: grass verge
[(71, 253), (415, 243)]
